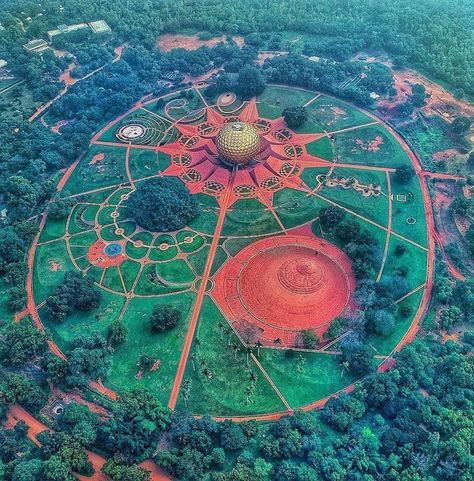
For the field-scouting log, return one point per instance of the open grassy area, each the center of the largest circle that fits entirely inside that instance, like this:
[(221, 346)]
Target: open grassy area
[(92, 174), (304, 377), (167, 268), (333, 114), (372, 146), (165, 347), (223, 393), (428, 135)]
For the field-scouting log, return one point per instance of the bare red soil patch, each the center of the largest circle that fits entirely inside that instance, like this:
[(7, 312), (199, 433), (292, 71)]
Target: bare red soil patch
[(371, 145), (171, 41), (97, 255), (58, 125), (279, 286), (54, 266), (97, 158), (66, 75), (262, 56), (440, 101), (444, 155)]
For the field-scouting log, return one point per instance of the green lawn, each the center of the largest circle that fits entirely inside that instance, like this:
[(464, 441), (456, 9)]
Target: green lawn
[(304, 377), (372, 146), (91, 174), (373, 208), (225, 392), (334, 114), (51, 263), (218, 377), (165, 346)]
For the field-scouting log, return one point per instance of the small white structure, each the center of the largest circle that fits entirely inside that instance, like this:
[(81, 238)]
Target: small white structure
[(37, 45)]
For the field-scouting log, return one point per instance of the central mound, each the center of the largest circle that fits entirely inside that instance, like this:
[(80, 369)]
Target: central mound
[(284, 285), (237, 143), (162, 204)]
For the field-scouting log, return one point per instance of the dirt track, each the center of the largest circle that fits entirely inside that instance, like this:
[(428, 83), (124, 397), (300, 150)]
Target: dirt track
[(17, 413)]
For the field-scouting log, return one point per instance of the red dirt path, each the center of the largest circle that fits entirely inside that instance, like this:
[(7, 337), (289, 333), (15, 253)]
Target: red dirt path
[(17, 413), (200, 296)]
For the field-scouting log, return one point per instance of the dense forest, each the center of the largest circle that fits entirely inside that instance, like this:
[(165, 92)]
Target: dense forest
[(433, 36), (412, 423)]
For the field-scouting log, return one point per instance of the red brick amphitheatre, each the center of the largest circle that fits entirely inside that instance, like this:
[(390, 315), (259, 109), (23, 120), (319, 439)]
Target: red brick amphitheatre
[(282, 285)]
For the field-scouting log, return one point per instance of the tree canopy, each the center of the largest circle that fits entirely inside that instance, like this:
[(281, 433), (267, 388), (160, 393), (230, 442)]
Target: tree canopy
[(162, 205)]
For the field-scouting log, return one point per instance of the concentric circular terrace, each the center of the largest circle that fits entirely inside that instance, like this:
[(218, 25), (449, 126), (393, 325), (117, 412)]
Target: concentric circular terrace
[(284, 285), (255, 267)]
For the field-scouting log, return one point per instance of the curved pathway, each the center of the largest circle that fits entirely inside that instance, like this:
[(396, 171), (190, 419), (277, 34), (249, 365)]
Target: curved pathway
[(223, 208), (16, 413)]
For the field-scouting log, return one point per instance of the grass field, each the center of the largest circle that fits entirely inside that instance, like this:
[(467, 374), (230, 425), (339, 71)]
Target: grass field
[(169, 268)]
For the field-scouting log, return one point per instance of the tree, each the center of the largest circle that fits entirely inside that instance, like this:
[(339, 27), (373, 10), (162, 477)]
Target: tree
[(460, 125), (470, 159), (331, 216), (164, 318), (310, 340), (232, 436), (404, 174), (22, 196), (418, 96), (23, 390), (76, 292), (26, 230), (444, 289), (11, 248), (118, 472), (29, 470), (89, 359), (340, 412), (16, 298), (20, 342), (337, 327), (60, 208), (383, 322), (54, 469), (117, 333), (162, 204), (250, 82), (295, 116), (461, 206), (450, 316), (136, 425), (358, 356)]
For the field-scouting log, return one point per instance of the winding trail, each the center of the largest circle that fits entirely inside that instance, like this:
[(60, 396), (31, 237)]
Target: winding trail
[(16, 413)]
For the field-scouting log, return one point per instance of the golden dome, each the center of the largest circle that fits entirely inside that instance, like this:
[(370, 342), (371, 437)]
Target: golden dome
[(237, 143)]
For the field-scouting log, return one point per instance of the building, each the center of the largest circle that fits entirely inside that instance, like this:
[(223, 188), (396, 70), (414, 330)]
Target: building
[(100, 26), (62, 29), (36, 46)]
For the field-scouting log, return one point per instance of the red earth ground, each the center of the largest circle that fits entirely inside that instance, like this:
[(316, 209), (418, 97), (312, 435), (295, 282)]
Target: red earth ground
[(283, 285), (97, 257), (171, 41), (16, 413), (225, 201), (436, 103)]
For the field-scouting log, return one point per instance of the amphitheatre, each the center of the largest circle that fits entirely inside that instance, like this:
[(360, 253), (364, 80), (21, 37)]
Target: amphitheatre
[(255, 268)]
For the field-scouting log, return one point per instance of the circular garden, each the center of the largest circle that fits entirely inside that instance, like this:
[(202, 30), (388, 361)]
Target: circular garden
[(275, 270)]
